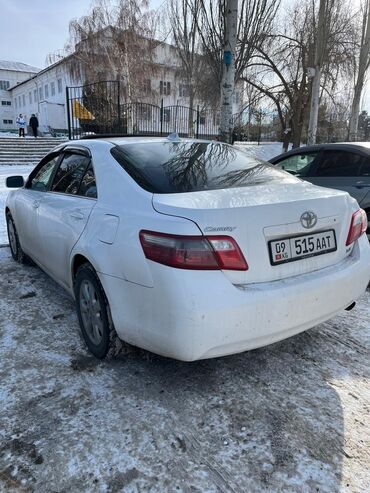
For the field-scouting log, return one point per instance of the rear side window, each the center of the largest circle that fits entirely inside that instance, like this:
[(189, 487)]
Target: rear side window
[(70, 173), (298, 164), (339, 163), (365, 168), (176, 167), (88, 184)]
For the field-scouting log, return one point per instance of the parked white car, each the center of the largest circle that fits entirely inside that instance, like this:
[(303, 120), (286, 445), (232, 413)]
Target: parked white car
[(187, 248)]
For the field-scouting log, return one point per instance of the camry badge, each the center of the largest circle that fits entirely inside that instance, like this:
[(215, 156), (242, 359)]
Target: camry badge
[(308, 219)]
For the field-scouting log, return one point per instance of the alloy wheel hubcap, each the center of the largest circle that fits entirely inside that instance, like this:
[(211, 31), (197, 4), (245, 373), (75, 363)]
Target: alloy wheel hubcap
[(91, 312), (12, 237)]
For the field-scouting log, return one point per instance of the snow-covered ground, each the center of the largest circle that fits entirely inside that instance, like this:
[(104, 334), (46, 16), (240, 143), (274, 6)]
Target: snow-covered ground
[(264, 151), (291, 417)]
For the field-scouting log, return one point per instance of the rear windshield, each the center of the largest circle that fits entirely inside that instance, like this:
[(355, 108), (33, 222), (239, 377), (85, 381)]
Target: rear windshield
[(175, 167)]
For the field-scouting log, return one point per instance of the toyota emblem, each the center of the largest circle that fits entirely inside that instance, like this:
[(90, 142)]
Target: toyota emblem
[(308, 219)]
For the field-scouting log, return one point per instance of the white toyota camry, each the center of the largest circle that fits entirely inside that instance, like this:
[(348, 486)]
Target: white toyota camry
[(187, 248)]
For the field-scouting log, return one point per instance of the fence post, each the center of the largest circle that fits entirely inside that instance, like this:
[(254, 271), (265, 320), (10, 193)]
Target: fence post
[(68, 114), (161, 119), (119, 106), (198, 117)]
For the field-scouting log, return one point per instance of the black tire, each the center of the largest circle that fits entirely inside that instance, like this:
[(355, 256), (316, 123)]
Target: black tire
[(100, 337), (15, 246)]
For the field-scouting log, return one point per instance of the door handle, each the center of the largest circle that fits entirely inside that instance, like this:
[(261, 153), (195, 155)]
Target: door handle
[(77, 215), (36, 204), (362, 184)]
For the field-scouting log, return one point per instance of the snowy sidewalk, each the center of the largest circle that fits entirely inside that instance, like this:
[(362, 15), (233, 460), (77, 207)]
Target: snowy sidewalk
[(292, 417)]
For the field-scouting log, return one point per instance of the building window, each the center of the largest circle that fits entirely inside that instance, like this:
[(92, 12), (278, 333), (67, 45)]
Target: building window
[(6, 103), (46, 91), (202, 119), (60, 86), (30, 97), (15, 103), (19, 101), (24, 99), (164, 88), (166, 115), (147, 86), (4, 85), (40, 93), (8, 122), (184, 90), (52, 88), (35, 95)]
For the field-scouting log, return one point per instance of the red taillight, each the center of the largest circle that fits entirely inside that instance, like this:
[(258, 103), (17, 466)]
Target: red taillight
[(358, 226), (193, 252)]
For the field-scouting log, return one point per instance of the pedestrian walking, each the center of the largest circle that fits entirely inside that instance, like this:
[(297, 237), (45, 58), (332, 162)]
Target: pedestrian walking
[(21, 122), (34, 124)]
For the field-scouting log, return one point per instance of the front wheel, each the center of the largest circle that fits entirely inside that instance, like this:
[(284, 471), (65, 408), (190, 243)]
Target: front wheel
[(93, 314), (15, 247)]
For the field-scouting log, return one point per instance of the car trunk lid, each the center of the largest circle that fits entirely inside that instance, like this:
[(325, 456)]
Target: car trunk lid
[(258, 214)]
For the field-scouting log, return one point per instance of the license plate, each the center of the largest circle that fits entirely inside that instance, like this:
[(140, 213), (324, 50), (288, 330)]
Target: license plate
[(299, 247)]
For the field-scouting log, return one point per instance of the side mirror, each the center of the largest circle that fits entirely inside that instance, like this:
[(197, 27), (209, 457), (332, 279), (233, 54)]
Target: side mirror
[(15, 182)]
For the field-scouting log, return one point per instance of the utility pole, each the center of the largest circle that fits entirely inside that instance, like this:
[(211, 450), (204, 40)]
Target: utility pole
[(319, 54), (363, 66), (228, 72)]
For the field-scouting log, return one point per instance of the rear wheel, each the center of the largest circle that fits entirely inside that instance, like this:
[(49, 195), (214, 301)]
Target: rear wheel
[(15, 247), (94, 314)]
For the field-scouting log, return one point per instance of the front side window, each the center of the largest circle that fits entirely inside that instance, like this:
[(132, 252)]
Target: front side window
[(40, 181), (298, 164), (60, 86), (24, 99), (176, 167), (52, 88), (40, 93), (339, 163), (70, 173), (46, 88)]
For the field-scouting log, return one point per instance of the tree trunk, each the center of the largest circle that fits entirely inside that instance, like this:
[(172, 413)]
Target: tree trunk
[(362, 67), (228, 75), (319, 53)]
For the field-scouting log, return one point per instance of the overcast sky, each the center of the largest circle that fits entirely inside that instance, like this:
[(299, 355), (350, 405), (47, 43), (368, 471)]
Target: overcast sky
[(31, 29)]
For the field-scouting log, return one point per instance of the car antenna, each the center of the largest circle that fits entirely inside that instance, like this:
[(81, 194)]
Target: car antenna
[(174, 137)]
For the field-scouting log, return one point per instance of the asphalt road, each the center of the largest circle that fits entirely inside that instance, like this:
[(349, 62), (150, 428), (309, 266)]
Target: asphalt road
[(291, 417)]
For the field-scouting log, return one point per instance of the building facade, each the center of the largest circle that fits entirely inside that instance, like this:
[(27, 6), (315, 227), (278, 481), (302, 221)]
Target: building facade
[(11, 74), (44, 94)]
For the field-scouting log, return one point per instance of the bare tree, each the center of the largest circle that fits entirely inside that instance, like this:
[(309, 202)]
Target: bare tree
[(184, 28), (280, 69), (362, 68), (114, 39)]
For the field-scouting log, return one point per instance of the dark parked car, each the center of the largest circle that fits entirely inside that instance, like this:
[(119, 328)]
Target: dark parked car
[(342, 166)]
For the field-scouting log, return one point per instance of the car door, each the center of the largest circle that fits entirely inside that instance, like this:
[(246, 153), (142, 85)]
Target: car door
[(363, 183), (339, 169), (65, 210), (28, 204)]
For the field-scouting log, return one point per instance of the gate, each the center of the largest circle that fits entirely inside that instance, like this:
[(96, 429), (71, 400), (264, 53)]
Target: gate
[(98, 108)]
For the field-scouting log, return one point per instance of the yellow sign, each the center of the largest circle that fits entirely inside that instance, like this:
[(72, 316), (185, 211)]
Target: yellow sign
[(79, 111)]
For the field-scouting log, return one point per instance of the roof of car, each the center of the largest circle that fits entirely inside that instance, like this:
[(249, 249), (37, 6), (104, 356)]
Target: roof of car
[(359, 146), (133, 139)]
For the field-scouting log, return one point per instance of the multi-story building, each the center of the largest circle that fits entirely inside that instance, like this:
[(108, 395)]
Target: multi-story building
[(11, 74)]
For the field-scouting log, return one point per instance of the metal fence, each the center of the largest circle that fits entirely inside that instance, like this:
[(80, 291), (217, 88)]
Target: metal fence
[(99, 108)]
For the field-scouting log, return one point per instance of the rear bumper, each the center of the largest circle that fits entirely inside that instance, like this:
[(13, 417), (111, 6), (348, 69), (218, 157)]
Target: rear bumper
[(189, 315)]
